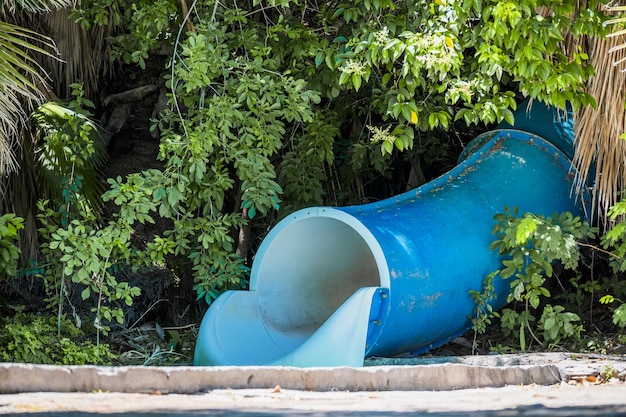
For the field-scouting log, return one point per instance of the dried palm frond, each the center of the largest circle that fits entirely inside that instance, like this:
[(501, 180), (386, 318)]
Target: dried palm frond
[(600, 153), (619, 33), (85, 53)]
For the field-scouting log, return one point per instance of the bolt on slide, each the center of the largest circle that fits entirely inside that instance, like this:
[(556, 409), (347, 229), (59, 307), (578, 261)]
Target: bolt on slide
[(330, 286)]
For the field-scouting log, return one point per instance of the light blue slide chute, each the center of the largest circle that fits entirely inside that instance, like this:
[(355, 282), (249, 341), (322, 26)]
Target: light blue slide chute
[(330, 286)]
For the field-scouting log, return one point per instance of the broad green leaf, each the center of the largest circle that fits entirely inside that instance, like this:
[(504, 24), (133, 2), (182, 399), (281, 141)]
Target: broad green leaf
[(85, 294)]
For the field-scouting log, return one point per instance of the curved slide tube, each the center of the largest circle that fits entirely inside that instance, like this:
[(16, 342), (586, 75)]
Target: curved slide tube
[(331, 286)]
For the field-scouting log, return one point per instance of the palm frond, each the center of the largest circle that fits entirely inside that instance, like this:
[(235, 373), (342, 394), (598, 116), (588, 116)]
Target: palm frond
[(61, 145), (20, 191), (616, 33), (600, 152), (615, 8), (19, 71), (9, 128), (23, 86), (21, 80), (35, 6)]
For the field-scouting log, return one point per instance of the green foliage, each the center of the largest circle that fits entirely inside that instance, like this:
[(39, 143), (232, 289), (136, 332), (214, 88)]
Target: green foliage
[(619, 314), (70, 153), (277, 104), (163, 347), (151, 24), (10, 225), (308, 156), (282, 104), (79, 253), (531, 245), (483, 311), (615, 239), (219, 174), (516, 324), (430, 63), (34, 339), (88, 13), (408, 65), (81, 257), (153, 356), (558, 324)]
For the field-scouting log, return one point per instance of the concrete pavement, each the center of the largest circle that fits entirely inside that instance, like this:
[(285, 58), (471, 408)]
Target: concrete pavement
[(500, 385)]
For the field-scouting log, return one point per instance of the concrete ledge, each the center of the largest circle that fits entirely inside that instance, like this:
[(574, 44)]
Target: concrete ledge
[(420, 374)]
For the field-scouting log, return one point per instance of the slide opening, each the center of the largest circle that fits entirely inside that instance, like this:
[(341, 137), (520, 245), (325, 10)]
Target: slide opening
[(307, 268)]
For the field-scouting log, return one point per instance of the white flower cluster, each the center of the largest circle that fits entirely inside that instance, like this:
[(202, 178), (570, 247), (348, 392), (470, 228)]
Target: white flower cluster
[(379, 134), (461, 87), (426, 42), (382, 37), (433, 51), (353, 67)]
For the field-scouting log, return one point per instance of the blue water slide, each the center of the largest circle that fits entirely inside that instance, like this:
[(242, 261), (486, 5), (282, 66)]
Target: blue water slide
[(330, 286)]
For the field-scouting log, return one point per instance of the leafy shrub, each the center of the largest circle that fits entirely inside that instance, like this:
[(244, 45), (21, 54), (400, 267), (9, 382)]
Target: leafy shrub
[(615, 239), (290, 104), (78, 252), (34, 339), (531, 245), (10, 225)]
